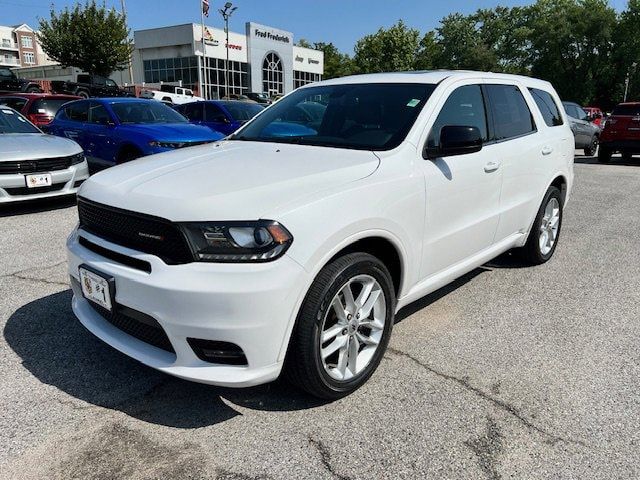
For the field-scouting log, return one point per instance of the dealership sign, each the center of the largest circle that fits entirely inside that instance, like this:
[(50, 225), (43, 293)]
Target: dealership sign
[(275, 37)]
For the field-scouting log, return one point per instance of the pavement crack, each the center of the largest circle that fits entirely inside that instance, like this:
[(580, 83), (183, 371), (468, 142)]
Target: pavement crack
[(487, 448), (23, 274), (325, 458), (501, 404)]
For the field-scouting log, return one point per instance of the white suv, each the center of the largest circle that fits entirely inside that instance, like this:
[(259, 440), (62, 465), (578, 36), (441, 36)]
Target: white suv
[(289, 247)]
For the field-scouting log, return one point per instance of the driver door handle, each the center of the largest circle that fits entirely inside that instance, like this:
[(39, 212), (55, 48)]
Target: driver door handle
[(491, 167), (547, 150)]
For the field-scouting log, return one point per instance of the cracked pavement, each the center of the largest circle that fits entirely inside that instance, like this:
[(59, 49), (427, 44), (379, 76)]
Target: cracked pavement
[(509, 372)]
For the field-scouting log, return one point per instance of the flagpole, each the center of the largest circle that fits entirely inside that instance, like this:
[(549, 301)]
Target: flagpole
[(205, 63)]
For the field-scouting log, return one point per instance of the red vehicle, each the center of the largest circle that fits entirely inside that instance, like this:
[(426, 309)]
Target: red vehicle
[(39, 108), (595, 114), (621, 132)]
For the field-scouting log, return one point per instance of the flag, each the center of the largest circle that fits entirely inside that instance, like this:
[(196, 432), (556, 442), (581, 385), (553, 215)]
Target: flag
[(205, 7)]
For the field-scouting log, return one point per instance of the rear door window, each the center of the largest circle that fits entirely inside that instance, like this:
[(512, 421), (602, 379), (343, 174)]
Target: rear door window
[(78, 112), (193, 112), (464, 107), (547, 106), (48, 106), (511, 115)]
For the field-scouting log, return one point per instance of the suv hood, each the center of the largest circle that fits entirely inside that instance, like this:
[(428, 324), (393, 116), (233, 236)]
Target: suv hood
[(230, 180)]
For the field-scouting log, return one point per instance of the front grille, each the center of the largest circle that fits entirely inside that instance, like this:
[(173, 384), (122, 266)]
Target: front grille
[(35, 166), (144, 233), (137, 324), (32, 191)]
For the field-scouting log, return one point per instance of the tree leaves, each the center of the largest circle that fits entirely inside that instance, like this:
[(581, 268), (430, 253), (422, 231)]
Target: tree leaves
[(89, 37)]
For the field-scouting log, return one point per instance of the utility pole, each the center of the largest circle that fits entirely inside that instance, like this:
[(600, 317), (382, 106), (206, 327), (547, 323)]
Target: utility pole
[(124, 15), (627, 80), (226, 12), (205, 74)]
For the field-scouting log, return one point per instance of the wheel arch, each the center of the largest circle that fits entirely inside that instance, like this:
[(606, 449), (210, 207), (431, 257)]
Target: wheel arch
[(560, 182), (127, 147)]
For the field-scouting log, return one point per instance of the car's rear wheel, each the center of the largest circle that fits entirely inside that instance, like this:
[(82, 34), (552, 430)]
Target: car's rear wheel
[(591, 150), (343, 327), (545, 232), (82, 94), (34, 90), (626, 156), (604, 154)]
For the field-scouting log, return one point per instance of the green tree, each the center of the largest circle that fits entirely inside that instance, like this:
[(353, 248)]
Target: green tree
[(89, 37), (393, 49), (571, 46), (626, 49), (336, 64)]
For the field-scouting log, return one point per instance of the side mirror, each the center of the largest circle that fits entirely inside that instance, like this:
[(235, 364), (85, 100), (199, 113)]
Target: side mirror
[(455, 140)]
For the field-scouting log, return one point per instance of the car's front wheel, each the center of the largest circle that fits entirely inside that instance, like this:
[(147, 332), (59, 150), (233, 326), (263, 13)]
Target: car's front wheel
[(343, 327)]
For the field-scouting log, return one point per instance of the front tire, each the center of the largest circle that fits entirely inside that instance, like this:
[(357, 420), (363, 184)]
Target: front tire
[(545, 232), (343, 327)]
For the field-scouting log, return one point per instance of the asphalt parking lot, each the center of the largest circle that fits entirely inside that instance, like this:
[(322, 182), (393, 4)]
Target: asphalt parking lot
[(509, 373)]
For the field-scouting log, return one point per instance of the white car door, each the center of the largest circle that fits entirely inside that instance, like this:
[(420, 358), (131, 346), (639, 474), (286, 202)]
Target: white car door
[(529, 147), (463, 191)]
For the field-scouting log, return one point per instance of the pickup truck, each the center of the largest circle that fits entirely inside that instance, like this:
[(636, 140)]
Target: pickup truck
[(89, 86), (10, 83), (171, 94)]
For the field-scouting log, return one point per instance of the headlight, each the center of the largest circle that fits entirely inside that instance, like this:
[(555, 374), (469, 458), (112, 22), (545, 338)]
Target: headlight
[(77, 158), (229, 242)]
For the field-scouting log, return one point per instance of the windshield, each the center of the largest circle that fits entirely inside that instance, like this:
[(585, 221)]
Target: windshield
[(375, 116), (627, 110), (48, 106), (13, 122), (146, 111), (14, 102), (242, 111)]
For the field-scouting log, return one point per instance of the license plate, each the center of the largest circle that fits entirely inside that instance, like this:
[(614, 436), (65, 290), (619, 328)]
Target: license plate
[(95, 288), (38, 180)]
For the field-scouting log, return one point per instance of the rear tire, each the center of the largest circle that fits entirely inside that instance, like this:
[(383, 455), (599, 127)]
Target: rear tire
[(591, 150), (82, 94), (340, 338), (604, 155), (34, 90), (545, 232)]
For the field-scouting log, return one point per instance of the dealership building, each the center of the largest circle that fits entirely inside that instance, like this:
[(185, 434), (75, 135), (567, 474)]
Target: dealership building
[(263, 59)]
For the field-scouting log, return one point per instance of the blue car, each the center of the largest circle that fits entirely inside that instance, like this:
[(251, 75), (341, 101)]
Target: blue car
[(224, 116), (116, 130)]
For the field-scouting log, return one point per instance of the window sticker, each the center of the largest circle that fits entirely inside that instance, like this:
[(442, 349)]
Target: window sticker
[(8, 112), (413, 102)]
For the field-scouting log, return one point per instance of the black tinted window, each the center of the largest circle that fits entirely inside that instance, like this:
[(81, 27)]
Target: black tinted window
[(241, 111), (99, 114), (464, 107), (213, 113), (548, 107), (78, 112), (13, 102), (193, 111), (511, 115), (48, 106), (627, 110)]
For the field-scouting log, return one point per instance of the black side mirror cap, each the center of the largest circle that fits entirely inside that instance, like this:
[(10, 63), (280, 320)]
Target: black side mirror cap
[(455, 140)]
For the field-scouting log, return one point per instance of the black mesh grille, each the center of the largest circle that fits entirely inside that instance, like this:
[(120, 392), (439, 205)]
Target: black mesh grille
[(144, 233), (32, 191), (33, 166), (144, 327)]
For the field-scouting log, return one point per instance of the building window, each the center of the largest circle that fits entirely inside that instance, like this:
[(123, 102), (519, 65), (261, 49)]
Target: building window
[(26, 41), (6, 43), (29, 58), (185, 69), (303, 78), (272, 75)]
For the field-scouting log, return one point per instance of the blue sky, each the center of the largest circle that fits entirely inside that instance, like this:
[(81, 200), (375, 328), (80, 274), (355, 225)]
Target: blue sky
[(341, 22)]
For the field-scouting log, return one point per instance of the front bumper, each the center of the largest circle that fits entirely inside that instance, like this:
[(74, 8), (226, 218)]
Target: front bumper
[(250, 305), (64, 182)]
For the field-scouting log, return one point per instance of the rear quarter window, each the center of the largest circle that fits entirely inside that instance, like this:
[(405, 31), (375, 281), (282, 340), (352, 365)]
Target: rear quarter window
[(547, 106)]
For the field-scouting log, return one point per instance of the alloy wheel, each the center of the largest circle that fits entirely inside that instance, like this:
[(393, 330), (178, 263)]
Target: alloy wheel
[(353, 328), (549, 226)]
